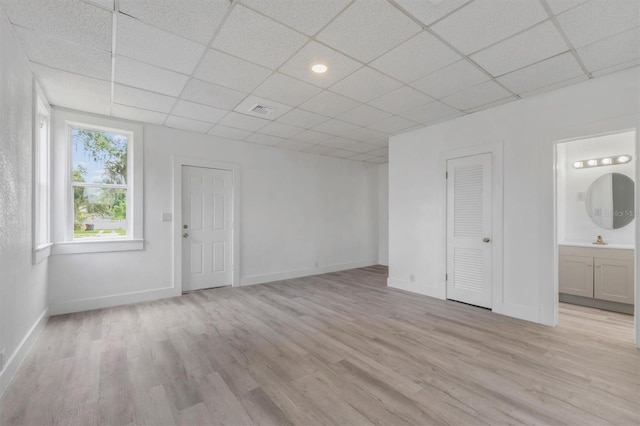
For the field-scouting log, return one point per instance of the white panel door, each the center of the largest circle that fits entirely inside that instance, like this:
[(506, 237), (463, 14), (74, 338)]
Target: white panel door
[(469, 205), (207, 229)]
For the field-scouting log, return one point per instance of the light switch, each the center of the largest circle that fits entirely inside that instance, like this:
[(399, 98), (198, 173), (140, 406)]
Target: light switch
[(581, 196), (166, 217)]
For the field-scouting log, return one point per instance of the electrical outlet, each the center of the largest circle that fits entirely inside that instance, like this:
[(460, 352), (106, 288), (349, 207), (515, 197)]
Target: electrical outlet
[(412, 278), (316, 264)]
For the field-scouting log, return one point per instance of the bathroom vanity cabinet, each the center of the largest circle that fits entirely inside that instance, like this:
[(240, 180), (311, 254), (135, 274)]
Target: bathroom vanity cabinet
[(597, 276)]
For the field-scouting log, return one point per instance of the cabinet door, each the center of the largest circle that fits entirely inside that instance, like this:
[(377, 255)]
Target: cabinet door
[(576, 275), (613, 280)]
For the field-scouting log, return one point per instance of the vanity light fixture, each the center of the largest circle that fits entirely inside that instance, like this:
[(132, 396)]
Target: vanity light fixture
[(605, 161), (319, 68)]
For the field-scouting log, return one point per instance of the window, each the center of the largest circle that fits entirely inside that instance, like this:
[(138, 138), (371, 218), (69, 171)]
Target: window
[(97, 196), (99, 180), (41, 178)]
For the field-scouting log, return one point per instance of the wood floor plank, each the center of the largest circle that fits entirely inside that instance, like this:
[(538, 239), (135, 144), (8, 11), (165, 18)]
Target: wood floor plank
[(339, 348)]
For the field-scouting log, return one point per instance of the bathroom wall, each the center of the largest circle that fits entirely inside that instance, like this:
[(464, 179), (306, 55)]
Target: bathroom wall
[(574, 224)]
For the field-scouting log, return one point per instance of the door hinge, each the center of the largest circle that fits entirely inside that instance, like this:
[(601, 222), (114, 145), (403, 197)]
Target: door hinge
[(446, 175), (446, 277)]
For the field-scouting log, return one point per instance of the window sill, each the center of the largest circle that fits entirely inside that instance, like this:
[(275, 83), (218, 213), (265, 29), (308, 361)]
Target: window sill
[(41, 253), (93, 246)]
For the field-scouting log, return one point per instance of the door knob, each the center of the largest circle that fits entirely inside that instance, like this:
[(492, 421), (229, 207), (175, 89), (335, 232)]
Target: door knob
[(486, 240), (185, 235)]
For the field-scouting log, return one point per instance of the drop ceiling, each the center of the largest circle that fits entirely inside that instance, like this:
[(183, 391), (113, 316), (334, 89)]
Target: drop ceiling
[(394, 65)]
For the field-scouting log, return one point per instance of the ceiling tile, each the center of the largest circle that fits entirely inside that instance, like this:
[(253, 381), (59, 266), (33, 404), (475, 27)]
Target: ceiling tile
[(554, 86), (475, 96), (335, 127), (258, 39), (616, 68), (318, 149), (209, 94), (559, 6), (301, 118), (340, 153), (137, 114), (599, 19), (74, 91), (229, 132), (243, 122), (339, 65), (492, 104), (187, 124), (311, 136), (65, 55), (415, 58), (193, 19), (306, 16), (261, 139), (545, 73), (151, 45), (72, 20), (364, 115), (401, 100), (379, 160), (430, 113), (365, 85), (363, 147), (148, 77), (142, 99), (362, 157), (526, 48), (329, 104), (615, 50), (292, 145), (451, 79), (393, 125), (338, 142), (367, 135), (484, 22), (228, 71), (282, 130), (198, 112), (382, 152), (282, 88), (367, 29), (428, 12)]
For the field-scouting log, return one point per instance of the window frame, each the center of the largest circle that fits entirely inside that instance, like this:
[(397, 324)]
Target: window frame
[(128, 186), (63, 121), (41, 159)]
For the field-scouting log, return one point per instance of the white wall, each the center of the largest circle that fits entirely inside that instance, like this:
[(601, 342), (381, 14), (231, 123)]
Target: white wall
[(528, 129), (383, 214), (574, 224), (296, 209), (23, 290)]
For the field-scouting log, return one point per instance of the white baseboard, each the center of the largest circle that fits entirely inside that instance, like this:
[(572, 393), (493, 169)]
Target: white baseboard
[(267, 278), (524, 312), (413, 287), (13, 363), (79, 305)]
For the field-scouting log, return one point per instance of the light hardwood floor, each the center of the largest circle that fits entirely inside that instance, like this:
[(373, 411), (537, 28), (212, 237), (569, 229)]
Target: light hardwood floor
[(338, 348)]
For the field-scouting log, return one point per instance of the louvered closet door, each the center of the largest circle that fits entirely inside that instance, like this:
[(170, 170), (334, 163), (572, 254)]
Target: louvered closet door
[(469, 230)]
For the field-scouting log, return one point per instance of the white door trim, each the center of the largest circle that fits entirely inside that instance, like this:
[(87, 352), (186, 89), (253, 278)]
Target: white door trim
[(496, 149), (549, 298), (178, 162)]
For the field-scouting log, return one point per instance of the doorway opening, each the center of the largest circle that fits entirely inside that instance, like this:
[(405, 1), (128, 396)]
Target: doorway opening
[(595, 232)]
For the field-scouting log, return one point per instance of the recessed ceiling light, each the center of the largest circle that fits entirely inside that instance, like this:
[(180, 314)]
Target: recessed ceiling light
[(319, 68)]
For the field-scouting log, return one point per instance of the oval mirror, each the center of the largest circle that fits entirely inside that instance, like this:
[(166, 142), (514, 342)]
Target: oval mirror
[(610, 201)]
